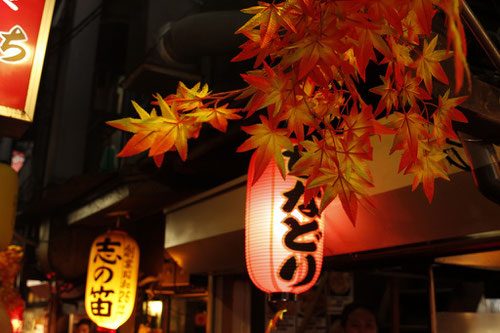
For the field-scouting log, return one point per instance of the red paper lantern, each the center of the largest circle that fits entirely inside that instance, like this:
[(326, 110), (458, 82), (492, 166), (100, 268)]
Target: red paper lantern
[(283, 237)]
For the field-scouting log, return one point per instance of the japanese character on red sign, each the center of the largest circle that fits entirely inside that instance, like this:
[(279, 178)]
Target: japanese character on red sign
[(11, 5), (11, 45)]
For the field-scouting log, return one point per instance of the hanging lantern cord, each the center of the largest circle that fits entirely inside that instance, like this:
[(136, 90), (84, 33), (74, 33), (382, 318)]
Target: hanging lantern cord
[(119, 215)]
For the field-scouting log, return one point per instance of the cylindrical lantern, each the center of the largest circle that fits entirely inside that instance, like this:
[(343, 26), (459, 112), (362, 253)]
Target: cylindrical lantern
[(8, 199), (283, 238), (112, 279)]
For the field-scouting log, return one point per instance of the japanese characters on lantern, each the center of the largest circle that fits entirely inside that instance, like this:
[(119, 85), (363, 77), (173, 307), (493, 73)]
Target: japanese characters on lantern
[(24, 30), (283, 237), (112, 279)]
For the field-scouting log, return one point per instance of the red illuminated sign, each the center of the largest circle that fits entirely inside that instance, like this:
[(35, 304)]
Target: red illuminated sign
[(24, 30)]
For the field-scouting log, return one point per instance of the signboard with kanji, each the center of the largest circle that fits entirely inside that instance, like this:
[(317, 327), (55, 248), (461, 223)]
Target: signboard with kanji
[(24, 31)]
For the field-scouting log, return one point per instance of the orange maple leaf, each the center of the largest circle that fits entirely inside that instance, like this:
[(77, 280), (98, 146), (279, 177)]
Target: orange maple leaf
[(157, 133), (411, 28), (322, 49), (443, 116), (297, 115), (357, 124), (274, 88), (173, 130), (386, 9), (456, 36), (410, 126), (389, 95), (316, 154), (188, 99), (269, 17), (425, 12), (216, 116), (354, 154), (142, 139), (347, 186), (410, 90), (251, 48), (428, 167), (428, 64), (268, 141), (370, 36)]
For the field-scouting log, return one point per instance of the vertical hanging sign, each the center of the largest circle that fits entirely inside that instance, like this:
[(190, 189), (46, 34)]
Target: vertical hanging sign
[(283, 237), (24, 31), (112, 279)]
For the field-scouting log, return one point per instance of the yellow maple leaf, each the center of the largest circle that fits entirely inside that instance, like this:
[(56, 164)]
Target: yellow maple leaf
[(269, 17), (189, 98), (428, 65), (428, 167), (216, 116), (410, 128), (444, 114), (268, 140)]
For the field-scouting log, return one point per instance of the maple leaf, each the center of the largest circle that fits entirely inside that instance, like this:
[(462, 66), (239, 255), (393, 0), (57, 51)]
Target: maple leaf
[(317, 154), (357, 124), (269, 17), (275, 88), (443, 116), (428, 166), (428, 64), (389, 95), (127, 124), (268, 141), (251, 48), (411, 28), (354, 154), (346, 187), (317, 49), (456, 35), (386, 9), (186, 98), (216, 116), (369, 36), (172, 130), (399, 60), (425, 13), (327, 104), (297, 115), (142, 139), (410, 127), (410, 90)]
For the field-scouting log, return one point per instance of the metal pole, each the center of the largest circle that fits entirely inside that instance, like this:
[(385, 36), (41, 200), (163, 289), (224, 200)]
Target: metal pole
[(395, 305), (432, 301), (481, 35)]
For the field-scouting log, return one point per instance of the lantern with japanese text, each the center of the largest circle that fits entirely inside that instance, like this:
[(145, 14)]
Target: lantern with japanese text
[(283, 237), (8, 199), (112, 279)]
